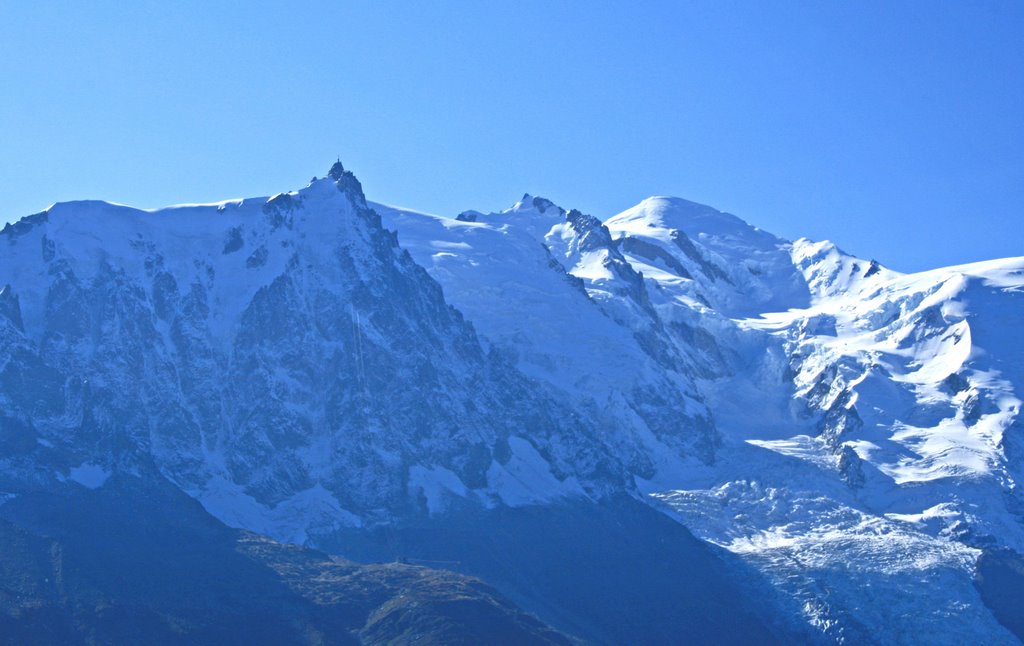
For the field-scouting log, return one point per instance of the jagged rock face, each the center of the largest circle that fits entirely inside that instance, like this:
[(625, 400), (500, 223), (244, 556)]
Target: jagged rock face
[(265, 352), (522, 277)]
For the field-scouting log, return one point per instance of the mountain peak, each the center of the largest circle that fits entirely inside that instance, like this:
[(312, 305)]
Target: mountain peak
[(534, 203), (347, 183), (666, 214), (693, 217), (337, 171)]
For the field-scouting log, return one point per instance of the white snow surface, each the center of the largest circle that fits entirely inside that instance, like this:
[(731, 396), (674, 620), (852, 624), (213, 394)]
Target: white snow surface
[(862, 413), (91, 476), (930, 363), (290, 521), (526, 478)]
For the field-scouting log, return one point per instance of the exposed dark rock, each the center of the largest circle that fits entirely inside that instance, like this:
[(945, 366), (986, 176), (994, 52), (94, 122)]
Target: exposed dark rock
[(591, 231), (543, 204), (348, 183), (10, 307), (49, 249), (840, 420), (851, 467), (711, 270), (999, 577), (257, 258), (233, 240), (652, 252), (14, 229), (337, 171), (955, 383)]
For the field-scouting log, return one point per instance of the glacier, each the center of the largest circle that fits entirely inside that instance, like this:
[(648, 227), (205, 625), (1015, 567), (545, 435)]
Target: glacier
[(865, 423), (313, 364)]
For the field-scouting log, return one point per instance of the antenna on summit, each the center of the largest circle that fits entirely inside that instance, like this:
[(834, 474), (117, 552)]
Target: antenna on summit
[(337, 170)]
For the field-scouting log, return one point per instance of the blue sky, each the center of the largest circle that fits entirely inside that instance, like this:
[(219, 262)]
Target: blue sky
[(892, 128)]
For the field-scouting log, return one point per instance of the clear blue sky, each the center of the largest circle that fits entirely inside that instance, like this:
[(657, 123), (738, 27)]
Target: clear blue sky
[(895, 129)]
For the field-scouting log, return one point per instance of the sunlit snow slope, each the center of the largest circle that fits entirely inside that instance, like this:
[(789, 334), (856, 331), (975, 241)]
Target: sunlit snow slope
[(866, 447)]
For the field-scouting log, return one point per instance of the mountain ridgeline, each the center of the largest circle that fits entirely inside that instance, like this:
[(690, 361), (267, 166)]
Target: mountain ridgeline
[(664, 426)]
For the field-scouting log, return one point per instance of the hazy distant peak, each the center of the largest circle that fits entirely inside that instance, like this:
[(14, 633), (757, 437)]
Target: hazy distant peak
[(533, 203)]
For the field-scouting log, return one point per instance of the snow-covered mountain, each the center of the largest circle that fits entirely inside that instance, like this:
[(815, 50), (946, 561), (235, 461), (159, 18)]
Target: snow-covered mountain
[(865, 423), (871, 427), (282, 359), (317, 368)]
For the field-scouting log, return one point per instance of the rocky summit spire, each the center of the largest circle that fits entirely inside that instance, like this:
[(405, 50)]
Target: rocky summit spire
[(540, 204), (347, 183), (337, 171), (543, 204)]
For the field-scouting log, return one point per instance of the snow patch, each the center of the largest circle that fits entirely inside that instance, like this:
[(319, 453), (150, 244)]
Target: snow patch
[(314, 510), (527, 479), (435, 484), (91, 476)]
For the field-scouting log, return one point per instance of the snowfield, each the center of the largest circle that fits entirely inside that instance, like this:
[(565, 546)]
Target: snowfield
[(862, 415)]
